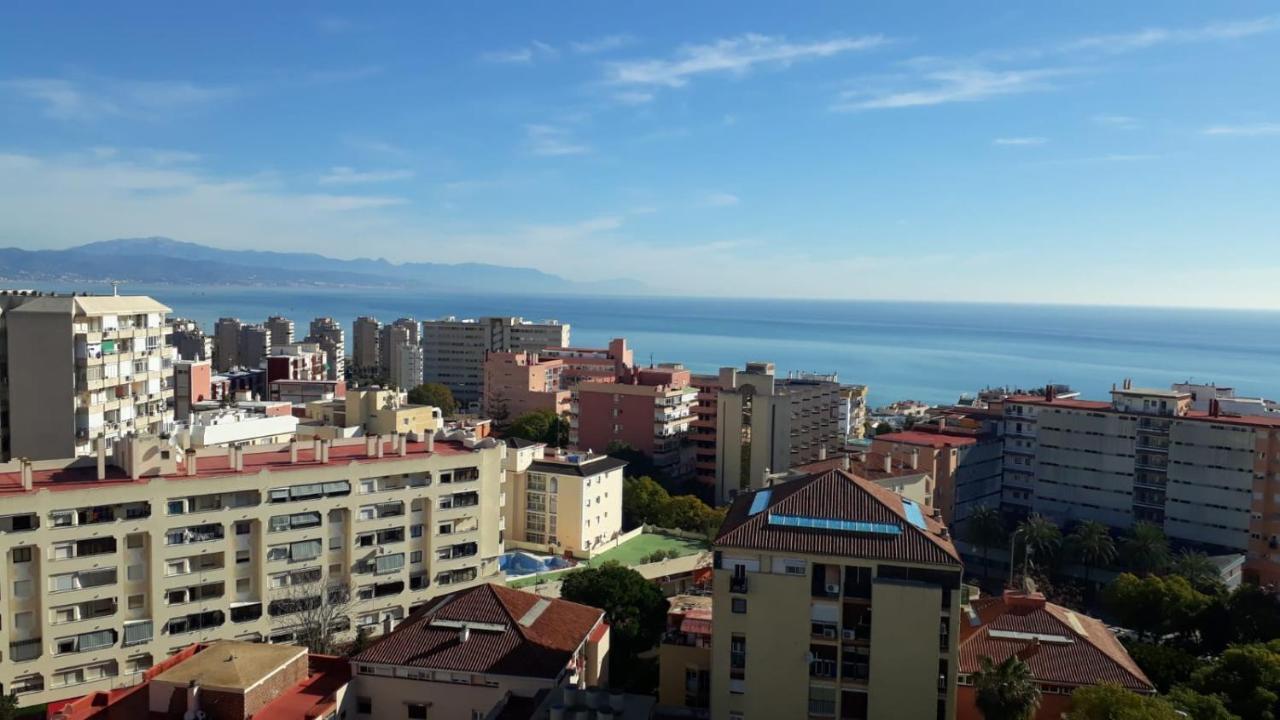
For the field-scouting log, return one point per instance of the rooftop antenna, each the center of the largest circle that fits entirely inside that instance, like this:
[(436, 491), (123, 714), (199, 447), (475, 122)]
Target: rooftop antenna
[(115, 287), (650, 360)]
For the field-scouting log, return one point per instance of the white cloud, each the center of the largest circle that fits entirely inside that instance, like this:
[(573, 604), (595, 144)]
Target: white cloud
[(349, 176), (721, 199), (549, 140), (731, 55), (85, 100), (1151, 37), (1019, 141), (951, 85), (524, 55), (1253, 130), (1119, 122), (602, 44)]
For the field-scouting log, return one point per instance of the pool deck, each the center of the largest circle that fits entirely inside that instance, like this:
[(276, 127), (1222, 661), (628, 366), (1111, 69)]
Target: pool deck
[(631, 553)]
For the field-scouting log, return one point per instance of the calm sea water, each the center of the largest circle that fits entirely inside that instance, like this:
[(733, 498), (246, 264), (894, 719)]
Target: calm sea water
[(925, 351)]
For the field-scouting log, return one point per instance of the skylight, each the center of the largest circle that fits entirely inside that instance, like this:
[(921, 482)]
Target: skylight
[(759, 502), (914, 514), (817, 523)]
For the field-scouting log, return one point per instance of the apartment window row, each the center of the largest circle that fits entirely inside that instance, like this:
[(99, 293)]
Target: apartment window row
[(310, 491), (296, 551), (305, 576)]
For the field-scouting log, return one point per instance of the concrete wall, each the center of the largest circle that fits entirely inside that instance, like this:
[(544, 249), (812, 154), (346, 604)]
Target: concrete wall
[(904, 650), (41, 386)]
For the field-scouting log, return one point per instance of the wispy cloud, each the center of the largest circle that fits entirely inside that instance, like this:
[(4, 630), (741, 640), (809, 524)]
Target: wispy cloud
[(732, 56), (602, 44), (1151, 37), (951, 85), (721, 199), (550, 141), (1118, 122), (1253, 130), (524, 55), (350, 176), (1019, 141), (65, 99)]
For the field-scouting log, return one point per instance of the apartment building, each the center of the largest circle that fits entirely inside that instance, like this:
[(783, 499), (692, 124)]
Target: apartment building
[(592, 364), (406, 366), (561, 502), (9, 299), (651, 410), (833, 598), (254, 346), (853, 411), (473, 650), (108, 569), (403, 331), (192, 383), (226, 344), (365, 332), (454, 349), (189, 341), (516, 383), (82, 368), (370, 411), (1227, 400), (941, 455), (279, 330), (702, 431), (326, 332), (684, 654), (1207, 478), (766, 424), (296, 361)]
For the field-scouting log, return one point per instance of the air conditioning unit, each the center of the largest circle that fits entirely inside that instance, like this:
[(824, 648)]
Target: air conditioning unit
[(833, 588), (850, 634), (829, 633)]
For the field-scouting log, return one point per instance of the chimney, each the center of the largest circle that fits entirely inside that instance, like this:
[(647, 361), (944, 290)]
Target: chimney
[(431, 441), (915, 458), (324, 450), (239, 457), (101, 442), (822, 452), (386, 625), (231, 456), (888, 463), (192, 466), (402, 444), (193, 699), (378, 442), (1048, 392), (464, 634), (27, 479), (315, 448), (293, 452), (846, 463), (942, 424), (368, 445)]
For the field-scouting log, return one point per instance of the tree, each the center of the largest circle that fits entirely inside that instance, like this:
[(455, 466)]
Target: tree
[(435, 395), (1200, 707), (497, 407), (984, 529), (1112, 702), (1166, 666), (635, 609), (1155, 605), (1254, 615), (644, 502), (1041, 540), (1199, 570), (1247, 678), (638, 464), (360, 642), (9, 706), (1006, 691), (1092, 545), (543, 426), (1145, 550), (316, 613)]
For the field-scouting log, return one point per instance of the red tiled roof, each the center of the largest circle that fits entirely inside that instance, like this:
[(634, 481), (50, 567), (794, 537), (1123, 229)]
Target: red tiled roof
[(218, 466), (1072, 403), (928, 439), (1092, 656), (315, 695), (836, 495), (542, 648)]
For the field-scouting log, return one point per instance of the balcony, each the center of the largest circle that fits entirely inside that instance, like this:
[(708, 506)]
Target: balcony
[(738, 584), (24, 650), (246, 612)]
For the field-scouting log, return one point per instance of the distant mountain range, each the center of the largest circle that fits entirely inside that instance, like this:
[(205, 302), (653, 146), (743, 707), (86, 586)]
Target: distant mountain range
[(163, 260)]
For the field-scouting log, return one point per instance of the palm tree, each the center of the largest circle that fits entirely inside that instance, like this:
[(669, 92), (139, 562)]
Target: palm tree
[(1041, 539), (1146, 550), (1006, 691), (984, 529), (1092, 544), (1198, 569)]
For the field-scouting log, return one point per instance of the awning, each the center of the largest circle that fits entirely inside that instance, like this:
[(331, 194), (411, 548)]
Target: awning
[(695, 626)]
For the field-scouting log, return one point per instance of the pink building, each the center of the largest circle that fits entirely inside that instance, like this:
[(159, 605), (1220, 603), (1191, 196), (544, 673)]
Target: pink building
[(593, 364), (516, 383), (192, 383), (649, 409), (299, 361)]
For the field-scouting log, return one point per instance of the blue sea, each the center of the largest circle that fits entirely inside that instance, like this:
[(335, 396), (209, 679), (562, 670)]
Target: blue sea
[(917, 350)]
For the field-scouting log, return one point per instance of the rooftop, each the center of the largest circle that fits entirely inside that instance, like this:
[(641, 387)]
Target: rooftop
[(926, 439), (835, 513), (92, 305), (231, 665), (1152, 392), (578, 464), (1061, 647), (507, 632)]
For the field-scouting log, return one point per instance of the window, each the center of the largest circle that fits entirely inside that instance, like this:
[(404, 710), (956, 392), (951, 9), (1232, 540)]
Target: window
[(175, 567), (22, 554), (137, 602), (177, 507), (242, 557), (136, 572), (243, 585), (739, 605), (364, 705), (22, 620), (415, 531), (415, 556), (243, 527), (133, 542), (417, 711)]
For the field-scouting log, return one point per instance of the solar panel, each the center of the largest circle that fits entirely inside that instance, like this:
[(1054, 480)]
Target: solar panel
[(914, 515), (759, 502), (817, 523)]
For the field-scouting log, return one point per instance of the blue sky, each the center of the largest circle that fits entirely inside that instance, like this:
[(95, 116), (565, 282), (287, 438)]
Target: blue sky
[(1123, 153)]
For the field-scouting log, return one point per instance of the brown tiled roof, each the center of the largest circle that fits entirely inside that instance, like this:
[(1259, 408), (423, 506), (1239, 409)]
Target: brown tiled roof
[(1092, 656), (836, 495), (540, 648), (926, 439)]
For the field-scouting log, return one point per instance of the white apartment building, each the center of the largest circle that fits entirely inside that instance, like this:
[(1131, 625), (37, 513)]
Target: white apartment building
[(454, 349), (406, 366), (82, 368), (561, 501), (108, 569), (1210, 479)]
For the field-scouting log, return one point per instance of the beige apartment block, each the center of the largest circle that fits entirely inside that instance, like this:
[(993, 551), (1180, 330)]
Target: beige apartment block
[(561, 502), (454, 349), (833, 598), (108, 569), (370, 412), (365, 332), (83, 368)]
